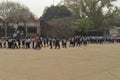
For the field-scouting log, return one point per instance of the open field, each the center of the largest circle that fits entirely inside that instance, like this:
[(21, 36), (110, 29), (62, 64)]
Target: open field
[(94, 62)]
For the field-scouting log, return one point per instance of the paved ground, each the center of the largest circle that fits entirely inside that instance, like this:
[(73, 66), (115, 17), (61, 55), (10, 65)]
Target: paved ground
[(94, 62)]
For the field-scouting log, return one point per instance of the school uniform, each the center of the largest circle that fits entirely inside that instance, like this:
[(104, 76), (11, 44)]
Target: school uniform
[(33, 43), (10, 43), (14, 44), (4, 43), (19, 44), (57, 44), (23, 43), (51, 43), (0, 43), (64, 43), (85, 41)]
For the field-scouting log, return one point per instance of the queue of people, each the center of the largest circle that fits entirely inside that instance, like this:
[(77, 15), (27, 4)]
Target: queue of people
[(38, 42)]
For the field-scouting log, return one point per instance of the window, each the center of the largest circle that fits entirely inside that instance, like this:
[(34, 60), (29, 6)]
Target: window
[(21, 24), (2, 32), (10, 24), (32, 30), (30, 24)]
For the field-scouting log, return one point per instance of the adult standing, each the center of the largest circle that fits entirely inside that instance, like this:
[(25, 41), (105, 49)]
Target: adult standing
[(37, 41)]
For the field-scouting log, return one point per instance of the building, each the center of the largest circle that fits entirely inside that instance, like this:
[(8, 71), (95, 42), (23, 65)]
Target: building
[(2, 28), (114, 31), (21, 26), (31, 26)]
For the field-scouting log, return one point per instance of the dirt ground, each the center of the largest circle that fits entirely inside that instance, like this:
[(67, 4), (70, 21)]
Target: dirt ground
[(94, 62)]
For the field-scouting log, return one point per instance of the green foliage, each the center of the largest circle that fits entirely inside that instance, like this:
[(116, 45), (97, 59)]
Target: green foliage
[(83, 25), (55, 12), (13, 9), (102, 13), (118, 23)]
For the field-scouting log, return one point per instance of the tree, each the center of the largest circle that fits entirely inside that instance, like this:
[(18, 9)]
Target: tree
[(13, 9), (83, 25), (62, 28), (55, 12), (118, 23), (101, 12)]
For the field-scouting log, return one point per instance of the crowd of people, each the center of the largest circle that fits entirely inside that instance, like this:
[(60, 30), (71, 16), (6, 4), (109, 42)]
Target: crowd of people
[(38, 42)]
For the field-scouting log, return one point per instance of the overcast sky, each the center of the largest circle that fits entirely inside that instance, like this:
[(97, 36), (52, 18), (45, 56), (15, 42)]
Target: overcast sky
[(37, 6)]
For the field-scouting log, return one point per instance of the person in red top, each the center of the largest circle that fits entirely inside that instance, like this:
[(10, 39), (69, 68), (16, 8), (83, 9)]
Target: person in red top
[(37, 41)]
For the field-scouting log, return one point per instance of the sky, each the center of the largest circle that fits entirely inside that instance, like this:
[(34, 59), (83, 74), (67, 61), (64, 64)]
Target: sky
[(38, 6)]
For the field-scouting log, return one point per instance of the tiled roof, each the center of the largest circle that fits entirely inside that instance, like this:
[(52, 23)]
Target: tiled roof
[(31, 18), (9, 19), (20, 19)]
